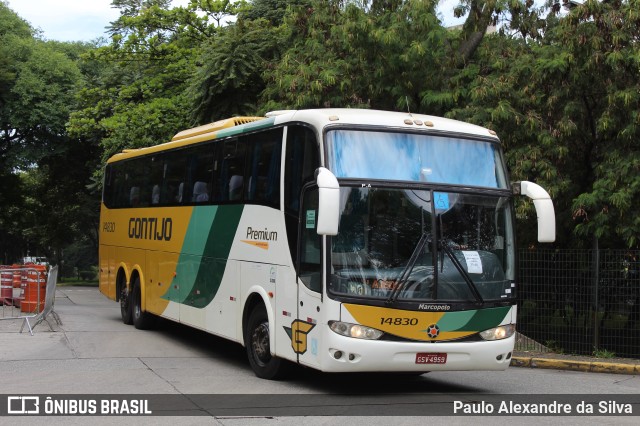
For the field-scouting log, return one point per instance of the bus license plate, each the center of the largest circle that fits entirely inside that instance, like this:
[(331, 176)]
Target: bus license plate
[(431, 358)]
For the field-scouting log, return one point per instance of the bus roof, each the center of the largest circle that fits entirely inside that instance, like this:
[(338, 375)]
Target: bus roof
[(317, 117), (388, 119)]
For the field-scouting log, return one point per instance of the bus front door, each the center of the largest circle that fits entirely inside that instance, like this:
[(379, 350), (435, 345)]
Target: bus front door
[(304, 329)]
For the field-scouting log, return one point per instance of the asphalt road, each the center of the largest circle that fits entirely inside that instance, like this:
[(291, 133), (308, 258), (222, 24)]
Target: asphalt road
[(93, 353)]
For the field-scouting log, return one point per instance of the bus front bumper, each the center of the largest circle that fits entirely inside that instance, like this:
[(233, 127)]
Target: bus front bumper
[(344, 354)]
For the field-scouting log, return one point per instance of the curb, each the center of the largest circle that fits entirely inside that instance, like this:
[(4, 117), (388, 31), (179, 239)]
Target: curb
[(571, 365)]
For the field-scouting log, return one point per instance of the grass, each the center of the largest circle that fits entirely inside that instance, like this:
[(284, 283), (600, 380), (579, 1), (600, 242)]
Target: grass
[(603, 353)]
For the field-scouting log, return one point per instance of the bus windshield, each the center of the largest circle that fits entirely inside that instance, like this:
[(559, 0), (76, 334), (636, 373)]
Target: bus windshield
[(414, 157), (406, 244)]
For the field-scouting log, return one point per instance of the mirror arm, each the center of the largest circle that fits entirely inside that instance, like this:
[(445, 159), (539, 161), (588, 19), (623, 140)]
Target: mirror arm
[(544, 209)]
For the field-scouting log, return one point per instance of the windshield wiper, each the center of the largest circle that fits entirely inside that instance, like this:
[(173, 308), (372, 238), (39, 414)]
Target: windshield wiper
[(465, 275), (403, 278)]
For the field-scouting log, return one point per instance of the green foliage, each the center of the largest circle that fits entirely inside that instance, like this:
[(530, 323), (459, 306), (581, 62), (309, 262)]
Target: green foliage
[(38, 80), (229, 77), (134, 90), (603, 353), (350, 56), (560, 125), (271, 10)]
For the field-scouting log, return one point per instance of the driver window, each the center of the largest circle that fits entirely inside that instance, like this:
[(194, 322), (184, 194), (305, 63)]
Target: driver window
[(310, 259)]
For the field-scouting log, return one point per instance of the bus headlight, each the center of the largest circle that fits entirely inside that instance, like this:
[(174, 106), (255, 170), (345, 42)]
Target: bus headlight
[(499, 333), (354, 330)]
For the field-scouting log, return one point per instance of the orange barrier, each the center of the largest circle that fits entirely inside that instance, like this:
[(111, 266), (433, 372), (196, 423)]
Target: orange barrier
[(34, 289), (17, 285), (6, 286)]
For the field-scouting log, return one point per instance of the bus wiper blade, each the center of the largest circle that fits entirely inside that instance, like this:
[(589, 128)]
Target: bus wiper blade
[(465, 275), (403, 278)]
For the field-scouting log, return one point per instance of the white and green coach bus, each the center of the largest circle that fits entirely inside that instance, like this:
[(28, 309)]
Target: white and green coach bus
[(343, 240)]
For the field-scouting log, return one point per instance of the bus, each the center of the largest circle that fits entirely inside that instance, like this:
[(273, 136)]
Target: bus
[(343, 240)]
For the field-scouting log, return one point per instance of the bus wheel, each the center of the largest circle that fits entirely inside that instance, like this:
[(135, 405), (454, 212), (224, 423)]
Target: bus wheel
[(125, 305), (141, 320), (259, 347)]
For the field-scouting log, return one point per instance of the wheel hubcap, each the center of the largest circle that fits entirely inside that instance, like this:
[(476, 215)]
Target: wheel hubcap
[(260, 343)]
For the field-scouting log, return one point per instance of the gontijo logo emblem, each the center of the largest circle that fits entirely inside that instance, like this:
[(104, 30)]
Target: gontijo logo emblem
[(298, 334), (260, 238)]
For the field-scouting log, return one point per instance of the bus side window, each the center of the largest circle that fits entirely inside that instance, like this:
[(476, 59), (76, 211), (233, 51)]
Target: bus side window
[(200, 173), (231, 181), (173, 179), (265, 150)]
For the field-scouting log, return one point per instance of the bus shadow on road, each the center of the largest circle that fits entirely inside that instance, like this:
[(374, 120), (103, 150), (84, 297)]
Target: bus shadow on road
[(234, 355)]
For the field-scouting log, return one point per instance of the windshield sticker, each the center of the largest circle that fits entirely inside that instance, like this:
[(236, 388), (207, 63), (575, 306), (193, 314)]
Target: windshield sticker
[(383, 284), (441, 200), (311, 219), (474, 264)]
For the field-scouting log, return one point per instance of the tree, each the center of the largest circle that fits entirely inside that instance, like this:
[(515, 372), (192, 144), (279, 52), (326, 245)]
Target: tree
[(38, 82), (229, 78), (604, 40), (381, 55), (134, 94), (561, 126)]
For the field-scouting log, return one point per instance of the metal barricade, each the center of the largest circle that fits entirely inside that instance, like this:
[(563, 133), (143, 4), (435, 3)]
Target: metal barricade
[(22, 292), (49, 302)]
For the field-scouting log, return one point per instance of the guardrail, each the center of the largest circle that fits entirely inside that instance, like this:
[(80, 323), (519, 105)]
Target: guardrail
[(28, 293)]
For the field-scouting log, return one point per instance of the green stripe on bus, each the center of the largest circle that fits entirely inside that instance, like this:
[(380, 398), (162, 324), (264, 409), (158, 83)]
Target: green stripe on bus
[(211, 231), (214, 256), (452, 321), (255, 125), (478, 320)]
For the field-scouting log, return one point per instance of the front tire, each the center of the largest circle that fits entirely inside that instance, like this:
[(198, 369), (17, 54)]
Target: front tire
[(258, 347)]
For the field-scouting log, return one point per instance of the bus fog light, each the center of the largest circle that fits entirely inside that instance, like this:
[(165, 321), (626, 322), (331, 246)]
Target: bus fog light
[(499, 333), (354, 330)]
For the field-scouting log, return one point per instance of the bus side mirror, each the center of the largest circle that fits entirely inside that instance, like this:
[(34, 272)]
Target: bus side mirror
[(544, 209), (329, 202)]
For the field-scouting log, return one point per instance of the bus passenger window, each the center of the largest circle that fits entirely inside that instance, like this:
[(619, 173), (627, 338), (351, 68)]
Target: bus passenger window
[(263, 168)]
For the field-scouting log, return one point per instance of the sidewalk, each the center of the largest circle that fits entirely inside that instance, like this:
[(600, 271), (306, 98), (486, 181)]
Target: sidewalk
[(575, 363)]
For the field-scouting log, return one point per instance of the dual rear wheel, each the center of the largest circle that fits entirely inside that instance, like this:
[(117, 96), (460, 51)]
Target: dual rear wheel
[(131, 307)]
